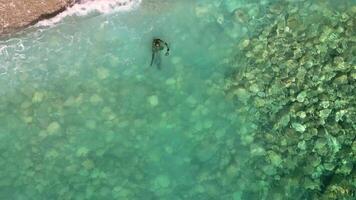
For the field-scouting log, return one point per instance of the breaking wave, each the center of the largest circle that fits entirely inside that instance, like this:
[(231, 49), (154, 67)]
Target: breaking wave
[(85, 7)]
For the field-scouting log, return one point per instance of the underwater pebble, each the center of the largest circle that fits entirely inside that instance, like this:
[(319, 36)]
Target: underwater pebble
[(42, 134), (123, 124), (121, 193), (170, 81), (191, 100), (324, 113), (205, 111), (27, 119), (108, 113), (247, 139), (139, 77), (176, 60), (245, 43), (168, 149), (153, 100), (257, 151), (353, 76), (90, 124), (202, 10), (162, 181), (259, 102), (198, 188), (346, 168), (69, 102), (240, 16), (95, 99), (325, 104), (301, 96), (52, 154), (298, 127), (283, 122), (220, 133), (82, 151), (26, 105), (339, 115), (234, 32), (231, 5), (220, 19), (53, 127), (37, 97), (242, 94), (88, 164), (341, 80), (232, 170), (114, 60), (102, 73), (301, 114), (237, 195), (302, 145), (275, 159), (208, 124)]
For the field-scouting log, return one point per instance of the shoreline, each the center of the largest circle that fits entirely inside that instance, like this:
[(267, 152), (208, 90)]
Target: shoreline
[(19, 14)]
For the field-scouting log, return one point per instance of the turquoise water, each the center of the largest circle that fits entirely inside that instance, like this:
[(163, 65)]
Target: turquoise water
[(84, 116)]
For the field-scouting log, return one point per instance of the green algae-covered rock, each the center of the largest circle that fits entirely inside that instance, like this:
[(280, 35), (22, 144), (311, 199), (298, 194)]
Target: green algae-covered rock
[(298, 127), (153, 100), (301, 60), (53, 127)]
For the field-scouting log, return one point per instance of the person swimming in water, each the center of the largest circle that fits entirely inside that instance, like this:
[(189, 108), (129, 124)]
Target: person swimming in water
[(157, 46)]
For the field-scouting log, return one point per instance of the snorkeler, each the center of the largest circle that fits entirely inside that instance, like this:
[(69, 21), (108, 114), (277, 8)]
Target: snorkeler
[(157, 46)]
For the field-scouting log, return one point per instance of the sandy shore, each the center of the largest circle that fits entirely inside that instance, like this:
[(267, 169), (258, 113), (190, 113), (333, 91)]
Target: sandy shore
[(18, 14)]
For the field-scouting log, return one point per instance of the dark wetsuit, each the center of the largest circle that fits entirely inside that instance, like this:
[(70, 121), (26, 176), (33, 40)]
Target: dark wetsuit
[(157, 47)]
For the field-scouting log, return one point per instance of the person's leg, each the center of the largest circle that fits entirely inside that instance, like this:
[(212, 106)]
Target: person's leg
[(158, 60), (153, 57)]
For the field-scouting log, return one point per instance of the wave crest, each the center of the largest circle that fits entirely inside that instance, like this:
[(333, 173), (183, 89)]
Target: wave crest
[(84, 7)]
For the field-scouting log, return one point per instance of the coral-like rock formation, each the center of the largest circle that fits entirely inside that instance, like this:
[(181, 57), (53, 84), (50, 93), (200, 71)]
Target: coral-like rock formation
[(297, 70)]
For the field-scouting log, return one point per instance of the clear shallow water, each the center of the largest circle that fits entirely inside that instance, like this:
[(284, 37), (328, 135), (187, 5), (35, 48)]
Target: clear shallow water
[(84, 116)]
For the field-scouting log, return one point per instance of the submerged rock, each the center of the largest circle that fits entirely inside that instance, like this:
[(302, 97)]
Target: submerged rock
[(161, 181), (53, 127), (18, 14), (302, 100), (153, 100)]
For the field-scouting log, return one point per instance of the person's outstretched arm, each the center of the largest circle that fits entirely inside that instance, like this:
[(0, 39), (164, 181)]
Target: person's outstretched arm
[(167, 53)]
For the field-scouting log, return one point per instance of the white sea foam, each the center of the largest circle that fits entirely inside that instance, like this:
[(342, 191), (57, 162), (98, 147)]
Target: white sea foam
[(84, 7)]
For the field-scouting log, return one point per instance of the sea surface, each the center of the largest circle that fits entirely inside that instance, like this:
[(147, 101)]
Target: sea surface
[(83, 115)]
